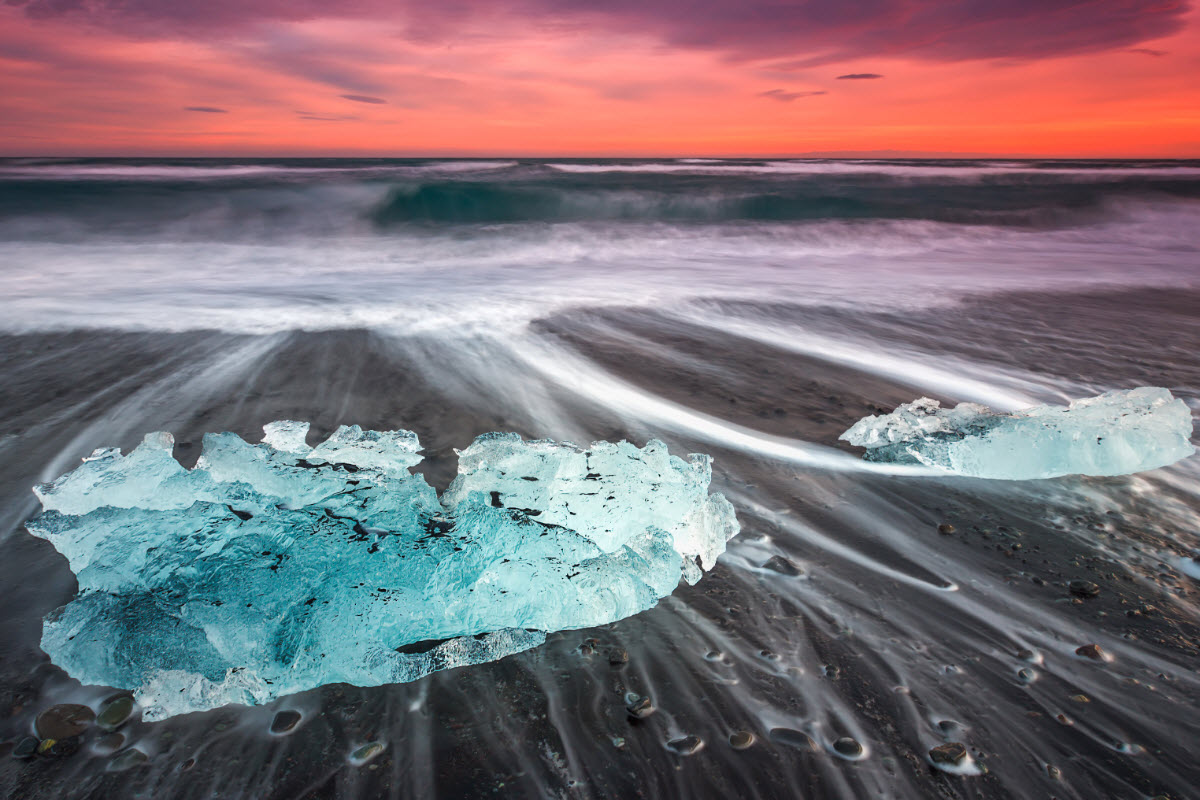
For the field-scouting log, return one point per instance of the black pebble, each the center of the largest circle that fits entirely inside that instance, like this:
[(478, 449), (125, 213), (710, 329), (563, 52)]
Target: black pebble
[(782, 565), (793, 738), (640, 708), (848, 747), (284, 722), (686, 745), (952, 753), (26, 748)]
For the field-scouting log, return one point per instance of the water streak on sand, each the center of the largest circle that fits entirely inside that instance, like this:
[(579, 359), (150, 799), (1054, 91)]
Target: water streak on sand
[(750, 310)]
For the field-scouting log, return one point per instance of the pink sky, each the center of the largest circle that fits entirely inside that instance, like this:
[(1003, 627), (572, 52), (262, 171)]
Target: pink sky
[(549, 77)]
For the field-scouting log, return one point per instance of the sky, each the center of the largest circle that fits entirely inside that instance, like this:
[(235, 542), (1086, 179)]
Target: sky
[(1055, 78)]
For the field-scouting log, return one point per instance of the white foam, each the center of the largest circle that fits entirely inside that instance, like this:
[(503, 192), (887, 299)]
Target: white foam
[(969, 170), (588, 380), (504, 276), (52, 171), (994, 386)]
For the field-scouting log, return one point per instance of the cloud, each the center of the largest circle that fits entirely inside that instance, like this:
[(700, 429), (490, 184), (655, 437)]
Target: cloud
[(348, 66), (364, 98), (316, 116), (206, 109), (859, 76), (787, 97), (1146, 51), (813, 33)]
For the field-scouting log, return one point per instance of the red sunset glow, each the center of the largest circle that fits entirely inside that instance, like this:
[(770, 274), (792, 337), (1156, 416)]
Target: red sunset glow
[(1109, 79)]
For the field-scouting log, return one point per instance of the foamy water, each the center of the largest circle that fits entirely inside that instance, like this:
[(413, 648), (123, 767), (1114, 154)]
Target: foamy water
[(413, 246), (748, 310)]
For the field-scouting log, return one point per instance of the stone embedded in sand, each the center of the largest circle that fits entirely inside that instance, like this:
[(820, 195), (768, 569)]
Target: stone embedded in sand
[(26, 747), (848, 748), (285, 722), (1094, 652), (782, 565), (950, 728), (109, 743), (274, 568), (794, 738), (128, 759), (686, 745), (740, 740), (1117, 433), (64, 721), (952, 753), (367, 753), (58, 748), (640, 707), (115, 712)]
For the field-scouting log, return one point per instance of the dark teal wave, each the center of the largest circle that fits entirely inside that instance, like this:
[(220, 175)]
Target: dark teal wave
[(218, 198)]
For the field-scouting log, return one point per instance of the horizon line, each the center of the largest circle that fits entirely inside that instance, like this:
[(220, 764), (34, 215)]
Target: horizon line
[(809, 155)]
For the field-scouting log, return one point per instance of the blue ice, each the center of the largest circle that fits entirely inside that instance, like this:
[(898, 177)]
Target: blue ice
[(1116, 433), (273, 568)]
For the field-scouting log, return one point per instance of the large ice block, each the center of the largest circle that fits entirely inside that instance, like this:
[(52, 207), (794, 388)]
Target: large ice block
[(273, 568), (1116, 433)]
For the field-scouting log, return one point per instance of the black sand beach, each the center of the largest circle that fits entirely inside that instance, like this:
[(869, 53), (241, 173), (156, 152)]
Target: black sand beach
[(923, 610)]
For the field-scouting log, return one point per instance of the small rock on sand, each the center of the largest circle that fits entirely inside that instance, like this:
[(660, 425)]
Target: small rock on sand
[(847, 747), (782, 565), (685, 745), (740, 740), (951, 753), (115, 712), (1094, 652), (63, 721), (640, 708), (794, 738), (284, 722)]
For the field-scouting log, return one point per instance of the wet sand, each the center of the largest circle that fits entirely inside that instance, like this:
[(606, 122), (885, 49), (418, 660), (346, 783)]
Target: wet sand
[(894, 634)]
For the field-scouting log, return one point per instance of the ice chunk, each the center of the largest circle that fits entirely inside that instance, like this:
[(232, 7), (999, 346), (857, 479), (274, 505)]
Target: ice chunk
[(596, 493), (277, 567), (1116, 433), (389, 451)]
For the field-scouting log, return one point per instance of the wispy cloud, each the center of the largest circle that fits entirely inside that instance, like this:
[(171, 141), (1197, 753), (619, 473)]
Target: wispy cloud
[(318, 117), (619, 77), (784, 96), (860, 76), (817, 31)]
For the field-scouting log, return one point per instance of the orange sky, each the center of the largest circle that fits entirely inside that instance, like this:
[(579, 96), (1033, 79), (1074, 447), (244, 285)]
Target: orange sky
[(535, 83)]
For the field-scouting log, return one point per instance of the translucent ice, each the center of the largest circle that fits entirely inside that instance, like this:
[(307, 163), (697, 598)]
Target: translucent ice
[(1116, 433), (273, 568)]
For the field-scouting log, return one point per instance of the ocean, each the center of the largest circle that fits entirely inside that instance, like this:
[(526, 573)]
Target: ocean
[(751, 310)]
